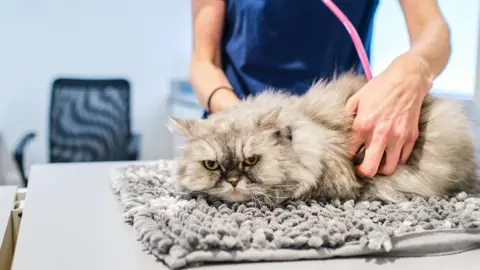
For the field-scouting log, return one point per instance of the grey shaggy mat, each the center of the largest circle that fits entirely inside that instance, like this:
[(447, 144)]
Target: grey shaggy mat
[(184, 231)]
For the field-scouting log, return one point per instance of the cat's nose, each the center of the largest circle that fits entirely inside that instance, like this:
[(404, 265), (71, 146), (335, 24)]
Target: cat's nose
[(233, 182)]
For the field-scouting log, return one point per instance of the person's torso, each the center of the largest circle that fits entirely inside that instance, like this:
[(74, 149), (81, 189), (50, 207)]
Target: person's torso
[(290, 44)]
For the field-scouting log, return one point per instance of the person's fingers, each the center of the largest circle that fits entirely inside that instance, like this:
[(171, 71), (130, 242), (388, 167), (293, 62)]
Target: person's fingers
[(392, 157), (357, 141), (360, 132), (373, 156), (406, 152), (352, 104), (408, 147)]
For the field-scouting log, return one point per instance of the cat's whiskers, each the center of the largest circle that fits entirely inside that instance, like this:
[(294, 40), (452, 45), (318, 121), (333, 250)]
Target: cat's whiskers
[(255, 200), (277, 197), (284, 187)]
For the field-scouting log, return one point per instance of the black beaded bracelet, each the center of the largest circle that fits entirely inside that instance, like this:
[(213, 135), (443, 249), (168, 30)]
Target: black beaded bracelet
[(211, 95)]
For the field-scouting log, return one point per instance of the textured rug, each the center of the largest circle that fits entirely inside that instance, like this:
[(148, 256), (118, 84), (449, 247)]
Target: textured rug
[(187, 231)]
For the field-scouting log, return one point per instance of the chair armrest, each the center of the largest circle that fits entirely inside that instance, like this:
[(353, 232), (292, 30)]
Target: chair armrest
[(20, 151), (134, 147)]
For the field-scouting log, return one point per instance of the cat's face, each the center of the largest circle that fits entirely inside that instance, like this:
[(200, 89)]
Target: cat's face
[(235, 160)]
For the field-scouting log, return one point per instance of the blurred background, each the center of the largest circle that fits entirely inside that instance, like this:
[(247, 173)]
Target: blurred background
[(140, 51)]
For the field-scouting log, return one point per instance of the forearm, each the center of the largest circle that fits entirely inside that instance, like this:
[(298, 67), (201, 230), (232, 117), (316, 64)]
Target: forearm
[(206, 73), (206, 76), (429, 35), (433, 47)]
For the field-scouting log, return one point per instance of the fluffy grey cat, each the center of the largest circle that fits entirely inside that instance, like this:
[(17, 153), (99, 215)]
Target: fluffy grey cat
[(275, 147)]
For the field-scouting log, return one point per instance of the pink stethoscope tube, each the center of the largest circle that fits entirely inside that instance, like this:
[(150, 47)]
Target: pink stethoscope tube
[(353, 34)]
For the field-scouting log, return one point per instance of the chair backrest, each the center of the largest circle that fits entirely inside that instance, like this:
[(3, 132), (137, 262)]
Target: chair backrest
[(89, 120)]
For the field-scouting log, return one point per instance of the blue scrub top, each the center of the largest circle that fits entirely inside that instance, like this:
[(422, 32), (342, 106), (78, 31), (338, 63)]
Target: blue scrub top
[(289, 44)]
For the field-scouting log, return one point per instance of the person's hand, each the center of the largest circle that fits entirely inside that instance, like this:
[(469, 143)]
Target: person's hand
[(387, 111)]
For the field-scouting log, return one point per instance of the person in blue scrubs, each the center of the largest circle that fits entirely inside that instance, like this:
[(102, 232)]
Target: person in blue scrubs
[(242, 47)]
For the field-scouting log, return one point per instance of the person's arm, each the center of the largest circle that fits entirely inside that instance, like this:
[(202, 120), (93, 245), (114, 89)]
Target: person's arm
[(429, 35), (387, 108), (206, 73)]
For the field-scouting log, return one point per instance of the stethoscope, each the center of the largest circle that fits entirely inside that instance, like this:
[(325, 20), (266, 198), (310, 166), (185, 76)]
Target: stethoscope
[(357, 42)]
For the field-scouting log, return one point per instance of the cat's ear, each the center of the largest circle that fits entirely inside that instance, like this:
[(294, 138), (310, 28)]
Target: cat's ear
[(269, 120), (287, 133), (183, 127), (283, 133)]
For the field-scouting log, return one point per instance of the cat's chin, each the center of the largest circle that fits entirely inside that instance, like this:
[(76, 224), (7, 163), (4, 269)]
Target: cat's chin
[(237, 196)]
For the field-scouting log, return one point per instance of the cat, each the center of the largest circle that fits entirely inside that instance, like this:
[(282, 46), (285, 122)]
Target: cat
[(274, 147)]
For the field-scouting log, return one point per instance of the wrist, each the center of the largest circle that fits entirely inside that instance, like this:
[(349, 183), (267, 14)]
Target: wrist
[(412, 66), (221, 98)]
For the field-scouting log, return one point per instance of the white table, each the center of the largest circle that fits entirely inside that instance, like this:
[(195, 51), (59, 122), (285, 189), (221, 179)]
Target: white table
[(9, 172), (7, 198), (72, 221)]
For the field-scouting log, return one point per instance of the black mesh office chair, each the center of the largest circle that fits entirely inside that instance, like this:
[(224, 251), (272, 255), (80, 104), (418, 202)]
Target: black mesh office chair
[(89, 121)]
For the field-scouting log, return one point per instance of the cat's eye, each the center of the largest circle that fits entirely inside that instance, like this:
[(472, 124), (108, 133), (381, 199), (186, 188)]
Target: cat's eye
[(211, 165), (250, 161)]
